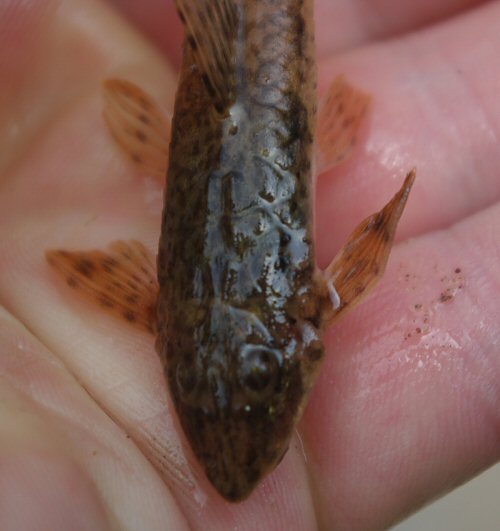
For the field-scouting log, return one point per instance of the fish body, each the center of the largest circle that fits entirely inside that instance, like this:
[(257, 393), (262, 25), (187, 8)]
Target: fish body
[(238, 312), (239, 305)]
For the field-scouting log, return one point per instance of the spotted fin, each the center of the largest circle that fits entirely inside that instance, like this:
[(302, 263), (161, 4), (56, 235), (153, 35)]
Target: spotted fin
[(121, 281), (360, 264), (341, 114), (211, 28), (138, 124)]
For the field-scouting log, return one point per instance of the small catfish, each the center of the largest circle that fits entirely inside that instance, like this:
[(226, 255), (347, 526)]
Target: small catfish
[(240, 305)]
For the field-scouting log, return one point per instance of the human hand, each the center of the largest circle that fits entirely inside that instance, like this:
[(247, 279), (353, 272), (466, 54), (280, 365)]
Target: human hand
[(407, 403)]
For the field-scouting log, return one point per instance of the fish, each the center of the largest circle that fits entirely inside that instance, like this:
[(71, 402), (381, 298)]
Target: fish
[(237, 301)]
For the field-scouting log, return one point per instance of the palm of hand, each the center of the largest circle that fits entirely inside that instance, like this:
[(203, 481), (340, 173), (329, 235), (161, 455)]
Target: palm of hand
[(407, 402)]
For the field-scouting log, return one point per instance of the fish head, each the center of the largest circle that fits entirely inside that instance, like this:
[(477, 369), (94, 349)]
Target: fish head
[(242, 394)]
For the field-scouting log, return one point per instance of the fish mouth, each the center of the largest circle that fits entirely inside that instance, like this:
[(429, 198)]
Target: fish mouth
[(235, 468), (232, 489), (241, 458), (238, 485), (236, 445), (234, 481)]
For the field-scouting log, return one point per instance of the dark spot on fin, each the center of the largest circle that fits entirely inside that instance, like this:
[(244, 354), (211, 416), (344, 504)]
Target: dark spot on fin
[(138, 125), (211, 28), (341, 114), (360, 264), (121, 281)]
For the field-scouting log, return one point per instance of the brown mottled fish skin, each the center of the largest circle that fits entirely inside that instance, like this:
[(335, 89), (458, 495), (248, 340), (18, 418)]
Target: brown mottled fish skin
[(238, 311)]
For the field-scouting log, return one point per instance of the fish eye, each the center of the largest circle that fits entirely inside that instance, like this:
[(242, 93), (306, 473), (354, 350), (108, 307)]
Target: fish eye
[(259, 368)]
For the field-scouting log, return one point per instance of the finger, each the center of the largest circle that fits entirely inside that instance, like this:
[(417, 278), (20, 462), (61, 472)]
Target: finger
[(408, 405), (340, 24), (436, 108), (159, 22), (51, 67), (55, 440), (344, 24)]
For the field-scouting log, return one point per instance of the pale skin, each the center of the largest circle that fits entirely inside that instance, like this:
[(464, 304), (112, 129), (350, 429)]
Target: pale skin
[(407, 403)]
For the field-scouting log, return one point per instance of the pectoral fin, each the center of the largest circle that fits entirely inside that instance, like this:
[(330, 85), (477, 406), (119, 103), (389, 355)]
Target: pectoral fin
[(138, 125), (341, 114), (360, 264), (121, 281)]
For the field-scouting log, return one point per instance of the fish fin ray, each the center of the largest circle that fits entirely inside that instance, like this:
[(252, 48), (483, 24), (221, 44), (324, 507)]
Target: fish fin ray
[(122, 281), (211, 28), (341, 113), (360, 264), (138, 124)]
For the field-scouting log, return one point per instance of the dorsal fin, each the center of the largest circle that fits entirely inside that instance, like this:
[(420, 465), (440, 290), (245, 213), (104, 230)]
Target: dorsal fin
[(211, 27)]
